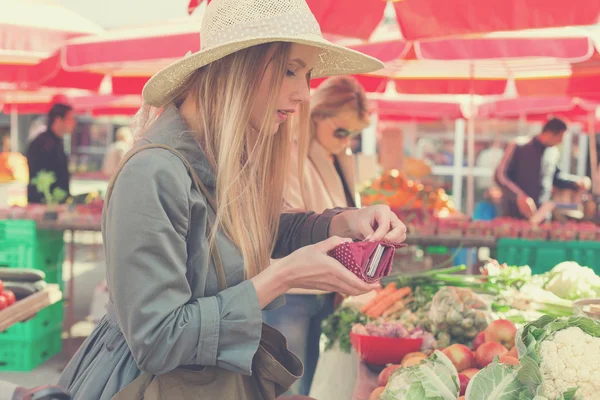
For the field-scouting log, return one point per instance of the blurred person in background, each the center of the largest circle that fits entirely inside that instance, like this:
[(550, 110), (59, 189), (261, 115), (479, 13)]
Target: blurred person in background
[(528, 172), (339, 113), (37, 127), (116, 151), (46, 152)]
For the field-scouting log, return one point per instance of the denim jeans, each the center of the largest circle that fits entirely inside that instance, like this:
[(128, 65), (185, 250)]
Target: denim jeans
[(300, 322)]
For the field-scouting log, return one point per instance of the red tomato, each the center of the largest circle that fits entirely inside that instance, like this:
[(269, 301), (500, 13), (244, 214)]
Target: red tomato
[(10, 297), (3, 302), (1, 286)]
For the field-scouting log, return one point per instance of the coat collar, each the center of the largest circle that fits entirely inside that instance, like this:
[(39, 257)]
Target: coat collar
[(323, 163), (170, 129)]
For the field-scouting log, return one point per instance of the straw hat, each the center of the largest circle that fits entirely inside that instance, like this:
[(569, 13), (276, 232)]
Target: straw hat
[(232, 25)]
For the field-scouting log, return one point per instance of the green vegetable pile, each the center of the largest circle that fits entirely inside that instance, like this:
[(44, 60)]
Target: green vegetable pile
[(435, 378), (337, 327), (458, 312)]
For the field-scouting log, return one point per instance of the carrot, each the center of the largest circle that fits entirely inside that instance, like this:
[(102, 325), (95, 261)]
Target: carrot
[(397, 306), (380, 295), (388, 301)]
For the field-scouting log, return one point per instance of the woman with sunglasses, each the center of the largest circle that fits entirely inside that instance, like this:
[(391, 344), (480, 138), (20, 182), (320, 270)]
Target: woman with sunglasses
[(338, 113)]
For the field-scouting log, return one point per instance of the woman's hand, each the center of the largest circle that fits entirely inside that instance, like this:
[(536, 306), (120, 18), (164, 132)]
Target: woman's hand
[(309, 268), (373, 223)]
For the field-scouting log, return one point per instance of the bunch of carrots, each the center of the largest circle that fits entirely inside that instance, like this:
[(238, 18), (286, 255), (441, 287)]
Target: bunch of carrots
[(388, 301)]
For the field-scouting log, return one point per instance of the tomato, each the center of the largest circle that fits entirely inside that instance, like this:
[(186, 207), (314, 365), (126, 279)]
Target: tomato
[(1, 286), (3, 302), (10, 297)]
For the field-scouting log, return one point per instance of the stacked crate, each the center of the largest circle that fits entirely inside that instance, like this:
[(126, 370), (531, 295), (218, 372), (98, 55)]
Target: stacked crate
[(28, 344)]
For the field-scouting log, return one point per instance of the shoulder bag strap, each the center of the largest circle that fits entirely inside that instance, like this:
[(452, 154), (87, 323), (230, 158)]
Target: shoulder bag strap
[(198, 185)]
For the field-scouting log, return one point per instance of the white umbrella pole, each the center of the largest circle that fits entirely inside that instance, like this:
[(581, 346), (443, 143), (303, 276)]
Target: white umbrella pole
[(14, 130), (593, 154), (471, 149)]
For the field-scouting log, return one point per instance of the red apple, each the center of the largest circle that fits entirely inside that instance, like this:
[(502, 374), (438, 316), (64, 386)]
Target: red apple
[(479, 340), (384, 376), (414, 354), (502, 331), (376, 393), (470, 373), (464, 381), (460, 355), (413, 361), (486, 352), (509, 360)]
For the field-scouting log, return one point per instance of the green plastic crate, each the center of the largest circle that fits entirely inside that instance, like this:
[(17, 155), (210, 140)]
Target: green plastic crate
[(36, 254), (437, 250), (540, 255), (25, 355), (24, 246), (23, 229), (586, 254), (46, 320)]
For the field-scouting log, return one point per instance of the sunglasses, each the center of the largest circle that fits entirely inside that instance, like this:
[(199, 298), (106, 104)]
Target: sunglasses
[(343, 133)]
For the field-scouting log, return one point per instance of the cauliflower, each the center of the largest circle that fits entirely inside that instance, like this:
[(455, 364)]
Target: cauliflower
[(571, 281), (570, 360), (560, 358)]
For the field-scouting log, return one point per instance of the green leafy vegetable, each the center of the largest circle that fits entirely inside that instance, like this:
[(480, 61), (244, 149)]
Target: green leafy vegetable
[(571, 281), (495, 382), (337, 327), (433, 379), (43, 182)]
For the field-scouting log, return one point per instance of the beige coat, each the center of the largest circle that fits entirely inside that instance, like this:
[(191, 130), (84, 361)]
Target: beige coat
[(322, 185)]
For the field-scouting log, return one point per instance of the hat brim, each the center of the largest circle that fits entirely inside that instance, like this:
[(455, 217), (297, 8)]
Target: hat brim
[(332, 60)]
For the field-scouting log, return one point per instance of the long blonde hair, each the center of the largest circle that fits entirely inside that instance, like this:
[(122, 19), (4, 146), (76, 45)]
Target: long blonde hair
[(250, 168)]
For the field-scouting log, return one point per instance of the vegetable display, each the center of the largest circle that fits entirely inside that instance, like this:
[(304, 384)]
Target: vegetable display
[(479, 351), (559, 360)]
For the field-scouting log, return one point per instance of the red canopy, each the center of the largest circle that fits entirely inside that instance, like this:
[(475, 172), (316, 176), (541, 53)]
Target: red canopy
[(444, 66), (539, 108), (31, 31), (38, 102), (417, 111), (420, 19)]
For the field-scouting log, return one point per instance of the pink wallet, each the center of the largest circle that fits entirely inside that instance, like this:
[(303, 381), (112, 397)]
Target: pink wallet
[(370, 261)]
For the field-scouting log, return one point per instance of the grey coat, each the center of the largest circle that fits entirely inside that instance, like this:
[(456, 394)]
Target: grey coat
[(165, 309)]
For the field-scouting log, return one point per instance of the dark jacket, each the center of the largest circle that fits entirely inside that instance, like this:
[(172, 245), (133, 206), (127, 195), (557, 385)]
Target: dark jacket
[(531, 170), (46, 153)]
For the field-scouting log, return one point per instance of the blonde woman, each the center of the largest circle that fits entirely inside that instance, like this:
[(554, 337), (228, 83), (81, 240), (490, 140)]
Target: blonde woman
[(339, 112), (188, 268)]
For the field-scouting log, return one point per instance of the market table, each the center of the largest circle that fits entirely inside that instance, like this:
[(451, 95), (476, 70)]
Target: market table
[(451, 241)]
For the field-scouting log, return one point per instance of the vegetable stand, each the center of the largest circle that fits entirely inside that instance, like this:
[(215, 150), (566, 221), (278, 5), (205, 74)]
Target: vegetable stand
[(474, 320)]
